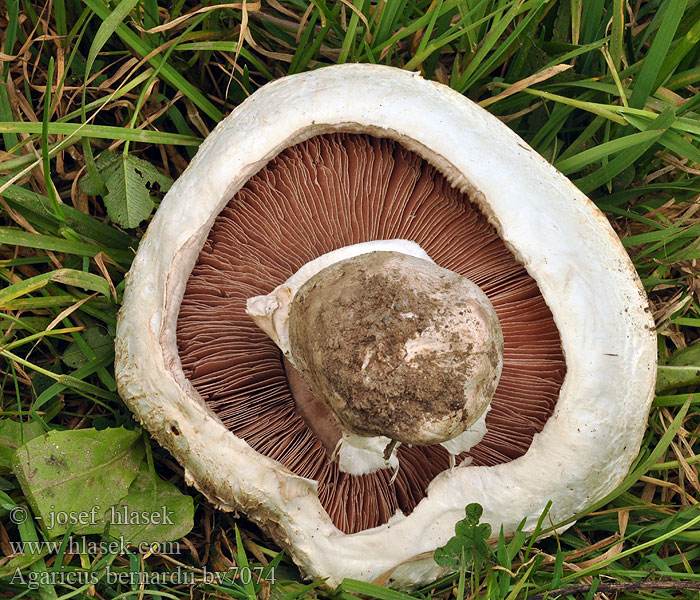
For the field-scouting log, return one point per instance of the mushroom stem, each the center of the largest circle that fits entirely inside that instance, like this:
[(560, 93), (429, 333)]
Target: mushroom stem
[(313, 411)]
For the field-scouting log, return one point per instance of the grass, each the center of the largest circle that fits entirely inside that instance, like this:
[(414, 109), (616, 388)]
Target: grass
[(606, 90)]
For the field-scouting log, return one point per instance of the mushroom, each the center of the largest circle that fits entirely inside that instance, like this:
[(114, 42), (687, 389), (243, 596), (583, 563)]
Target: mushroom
[(276, 201)]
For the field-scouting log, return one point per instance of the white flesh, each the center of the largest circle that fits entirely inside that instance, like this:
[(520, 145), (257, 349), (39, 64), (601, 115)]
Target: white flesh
[(559, 235)]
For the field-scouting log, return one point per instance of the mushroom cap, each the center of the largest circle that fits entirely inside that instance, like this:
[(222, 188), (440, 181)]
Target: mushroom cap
[(397, 346), (555, 231)]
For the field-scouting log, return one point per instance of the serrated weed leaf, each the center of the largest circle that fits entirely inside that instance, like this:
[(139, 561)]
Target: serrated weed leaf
[(104, 161), (128, 200), (129, 181)]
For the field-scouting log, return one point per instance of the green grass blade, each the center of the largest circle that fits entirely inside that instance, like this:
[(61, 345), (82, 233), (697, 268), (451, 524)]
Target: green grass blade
[(349, 39), (226, 47), (17, 237), (102, 360), (51, 190), (622, 161), (684, 46), (242, 563), (597, 153), (373, 591), (12, 8), (625, 553), (36, 209), (644, 86), (107, 132), (80, 279), (497, 29), (142, 48), (110, 22), (388, 20), (642, 466), (593, 107), (67, 380), (617, 33)]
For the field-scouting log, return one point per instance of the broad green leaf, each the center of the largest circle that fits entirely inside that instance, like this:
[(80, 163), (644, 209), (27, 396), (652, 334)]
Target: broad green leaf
[(14, 434), (76, 475), (686, 356), (682, 369), (153, 511), (673, 377), (98, 341), (474, 512)]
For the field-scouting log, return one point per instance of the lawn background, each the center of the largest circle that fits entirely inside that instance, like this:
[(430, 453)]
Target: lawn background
[(102, 104)]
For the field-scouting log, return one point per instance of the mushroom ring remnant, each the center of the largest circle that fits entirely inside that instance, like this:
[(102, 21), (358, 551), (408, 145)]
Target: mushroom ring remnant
[(339, 125)]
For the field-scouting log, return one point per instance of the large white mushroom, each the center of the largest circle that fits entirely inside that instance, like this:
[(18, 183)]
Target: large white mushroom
[(573, 273)]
